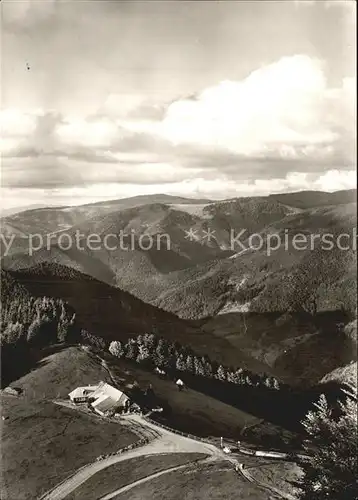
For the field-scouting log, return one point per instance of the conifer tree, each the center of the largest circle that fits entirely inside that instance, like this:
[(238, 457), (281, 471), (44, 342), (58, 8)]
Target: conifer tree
[(198, 367), (161, 354), (116, 349), (221, 373), (332, 446), (189, 364), (181, 363)]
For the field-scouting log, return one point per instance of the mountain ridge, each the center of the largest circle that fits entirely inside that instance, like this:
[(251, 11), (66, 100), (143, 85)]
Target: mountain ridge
[(326, 198)]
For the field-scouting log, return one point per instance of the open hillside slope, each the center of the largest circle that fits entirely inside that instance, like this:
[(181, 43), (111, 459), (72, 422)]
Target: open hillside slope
[(208, 481), (346, 373), (43, 443), (254, 278)]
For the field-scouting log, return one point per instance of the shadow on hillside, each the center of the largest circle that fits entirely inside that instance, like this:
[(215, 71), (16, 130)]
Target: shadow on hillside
[(300, 348), (18, 362), (283, 409), (327, 320)]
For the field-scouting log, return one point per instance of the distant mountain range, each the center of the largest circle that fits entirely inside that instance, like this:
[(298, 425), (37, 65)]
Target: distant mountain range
[(196, 276), (43, 219), (233, 295)]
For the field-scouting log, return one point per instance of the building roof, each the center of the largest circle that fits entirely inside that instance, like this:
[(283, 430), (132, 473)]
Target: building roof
[(81, 392), (106, 396), (104, 403), (107, 389), (122, 399)]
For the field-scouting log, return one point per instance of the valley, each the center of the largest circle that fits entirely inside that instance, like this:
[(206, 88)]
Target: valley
[(255, 337), (258, 305)]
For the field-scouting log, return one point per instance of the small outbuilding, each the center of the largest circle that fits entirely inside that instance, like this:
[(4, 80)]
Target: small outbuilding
[(180, 384)]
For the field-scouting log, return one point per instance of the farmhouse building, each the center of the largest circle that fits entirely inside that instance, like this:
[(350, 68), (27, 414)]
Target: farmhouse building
[(103, 397)]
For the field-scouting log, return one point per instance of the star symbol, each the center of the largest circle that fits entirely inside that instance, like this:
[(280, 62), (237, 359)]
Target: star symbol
[(191, 234), (208, 234)]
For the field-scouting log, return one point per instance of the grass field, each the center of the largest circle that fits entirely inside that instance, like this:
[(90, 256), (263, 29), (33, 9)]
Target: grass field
[(213, 481), (281, 475), (42, 443), (191, 411), (114, 477), (59, 370)]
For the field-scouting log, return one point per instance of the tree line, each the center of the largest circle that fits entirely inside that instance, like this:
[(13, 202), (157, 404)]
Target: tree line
[(153, 351)]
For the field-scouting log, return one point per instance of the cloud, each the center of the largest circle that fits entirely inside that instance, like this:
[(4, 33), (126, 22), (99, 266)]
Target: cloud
[(132, 106), (20, 13), (335, 180), (277, 108), (14, 122), (282, 127)]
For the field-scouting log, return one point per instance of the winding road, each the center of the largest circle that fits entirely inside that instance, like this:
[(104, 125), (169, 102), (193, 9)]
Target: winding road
[(161, 441), (165, 442)]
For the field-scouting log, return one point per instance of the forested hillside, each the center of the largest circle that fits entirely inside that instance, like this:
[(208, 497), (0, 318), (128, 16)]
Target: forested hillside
[(30, 322)]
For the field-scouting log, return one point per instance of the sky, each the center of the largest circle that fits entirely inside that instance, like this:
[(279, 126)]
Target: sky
[(103, 100)]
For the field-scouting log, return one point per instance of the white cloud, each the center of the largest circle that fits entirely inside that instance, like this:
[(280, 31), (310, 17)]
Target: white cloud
[(281, 128), (121, 104), (97, 132), (279, 107), (15, 126), (334, 180), (284, 110), (14, 122)]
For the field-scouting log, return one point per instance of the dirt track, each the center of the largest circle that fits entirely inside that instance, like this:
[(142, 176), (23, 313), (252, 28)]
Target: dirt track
[(162, 441), (145, 479), (166, 442)]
